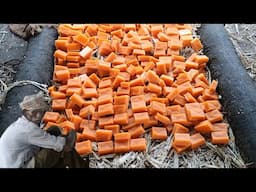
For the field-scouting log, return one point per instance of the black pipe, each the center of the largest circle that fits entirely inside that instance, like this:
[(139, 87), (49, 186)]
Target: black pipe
[(237, 88), (37, 66)]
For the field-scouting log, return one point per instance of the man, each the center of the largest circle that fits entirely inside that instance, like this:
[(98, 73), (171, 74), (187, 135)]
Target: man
[(25, 145)]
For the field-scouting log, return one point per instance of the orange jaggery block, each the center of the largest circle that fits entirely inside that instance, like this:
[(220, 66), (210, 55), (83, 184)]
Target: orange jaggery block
[(220, 127), (179, 118), (89, 92), (69, 114), (103, 135), (189, 98), (126, 75), (162, 118), (138, 144), (73, 58), (114, 128), (186, 40), (209, 96), (122, 137), (219, 137), (84, 147), (197, 140), (61, 44), (60, 54), (175, 44), (107, 90), (86, 111), (137, 82), (178, 128), (194, 112), (62, 75), (153, 88), (105, 48), (77, 99), (86, 52), (136, 131), (137, 90), (105, 148), (157, 107), (200, 59), (108, 120), (51, 117), (124, 91), (105, 109), (167, 79), (59, 104), (105, 98), (182, 78), (120, 108), (117, 81), (192, 73), (179, 149), (158, 133), (204, 127), (73, 46), (51, 88), (105, 83), (182, 140), (211, 105), (161, 67), (124, 50), (121, 118), (196, 44), (152, 77), (173, 93), (149, 65), (73, 64), (121, 147), (122, 99), (85, 123), (81, 39), (71, 90), (213, 86), (76, 120), (150, 123), (185, 87), (95, 78), (214, 116), (89, 134), (138, 103), (197, 91), (179, 100), (160, 100), (61, 119), (174, 109), (74, 83)]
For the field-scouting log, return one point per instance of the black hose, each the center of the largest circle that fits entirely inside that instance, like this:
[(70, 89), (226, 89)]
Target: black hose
[(37, 66), (237, 88)]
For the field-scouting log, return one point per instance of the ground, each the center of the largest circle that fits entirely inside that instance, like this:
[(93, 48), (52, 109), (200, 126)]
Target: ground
[(12, 52)]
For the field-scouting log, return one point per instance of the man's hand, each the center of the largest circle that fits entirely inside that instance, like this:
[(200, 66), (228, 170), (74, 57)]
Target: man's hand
[(70, 141)]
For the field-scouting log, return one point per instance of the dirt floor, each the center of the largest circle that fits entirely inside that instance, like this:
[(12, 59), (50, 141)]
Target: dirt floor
[(12, 51)]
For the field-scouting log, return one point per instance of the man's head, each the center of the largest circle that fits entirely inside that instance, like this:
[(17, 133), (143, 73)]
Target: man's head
[(34, 106)]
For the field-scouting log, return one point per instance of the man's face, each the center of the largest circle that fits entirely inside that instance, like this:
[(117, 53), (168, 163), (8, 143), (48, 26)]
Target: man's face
[(37, 115)]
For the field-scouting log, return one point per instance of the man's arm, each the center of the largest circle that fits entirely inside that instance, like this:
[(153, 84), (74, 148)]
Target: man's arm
[(43, 139)]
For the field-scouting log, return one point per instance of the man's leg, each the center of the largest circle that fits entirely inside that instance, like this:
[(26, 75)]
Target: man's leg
[(48, 158), (73, 160)]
